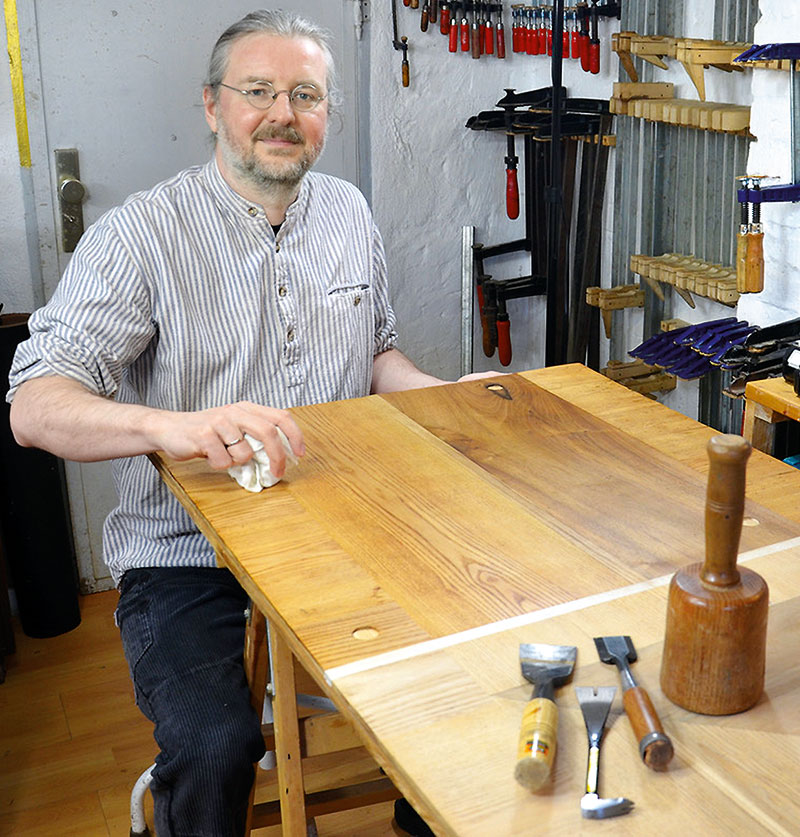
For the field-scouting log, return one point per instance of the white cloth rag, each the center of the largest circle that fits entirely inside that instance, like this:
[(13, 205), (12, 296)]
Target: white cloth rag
[(255, 474)]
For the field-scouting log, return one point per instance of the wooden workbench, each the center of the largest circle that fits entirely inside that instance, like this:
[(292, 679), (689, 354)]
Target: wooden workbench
[(426, 534), (768, 403)]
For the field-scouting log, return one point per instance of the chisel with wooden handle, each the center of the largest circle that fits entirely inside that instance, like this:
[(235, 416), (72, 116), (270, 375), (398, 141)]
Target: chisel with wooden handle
[(655, 746), (465, 38), (488, 31), (500, 33), (444, 19), (546, 666), (594, 42), (475, 40)]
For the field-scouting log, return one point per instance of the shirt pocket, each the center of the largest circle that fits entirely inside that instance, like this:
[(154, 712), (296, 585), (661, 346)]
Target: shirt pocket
[(351, 319)]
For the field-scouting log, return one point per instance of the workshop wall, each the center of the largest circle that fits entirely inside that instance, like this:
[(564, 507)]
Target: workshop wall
[(772, 155), (431, 176)]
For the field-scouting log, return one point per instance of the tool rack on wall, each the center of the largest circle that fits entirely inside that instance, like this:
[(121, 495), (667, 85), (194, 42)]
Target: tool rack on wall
[(550, 130), (677, 165)]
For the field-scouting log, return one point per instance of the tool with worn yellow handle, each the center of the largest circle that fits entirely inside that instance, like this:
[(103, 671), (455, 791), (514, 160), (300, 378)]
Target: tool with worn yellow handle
[(546, 666), (750, 242)]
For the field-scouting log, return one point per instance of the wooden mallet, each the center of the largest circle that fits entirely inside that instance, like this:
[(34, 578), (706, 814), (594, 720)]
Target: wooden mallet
[(715, 643)]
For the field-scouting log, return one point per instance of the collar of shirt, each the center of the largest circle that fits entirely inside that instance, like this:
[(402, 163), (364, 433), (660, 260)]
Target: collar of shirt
[(237, 207)]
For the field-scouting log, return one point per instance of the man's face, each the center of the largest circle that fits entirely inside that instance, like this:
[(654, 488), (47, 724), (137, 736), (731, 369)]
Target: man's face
[(268, 147)]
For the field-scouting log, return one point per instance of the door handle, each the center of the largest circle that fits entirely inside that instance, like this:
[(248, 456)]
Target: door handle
[(71, 194)]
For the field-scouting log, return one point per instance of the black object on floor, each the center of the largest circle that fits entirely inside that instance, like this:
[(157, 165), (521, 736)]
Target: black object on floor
[(409, 820)]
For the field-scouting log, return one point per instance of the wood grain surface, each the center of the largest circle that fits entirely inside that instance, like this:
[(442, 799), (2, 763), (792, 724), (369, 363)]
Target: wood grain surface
[(434, 523)]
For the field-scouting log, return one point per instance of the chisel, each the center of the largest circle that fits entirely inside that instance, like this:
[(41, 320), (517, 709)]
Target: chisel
[(488, 32), (532, 35), (425, 17), (583, 36), (500, 33), (516, 29), (594, 41), (444, 19), (475, 33), (453, 34), (576, 43), (465, 39)]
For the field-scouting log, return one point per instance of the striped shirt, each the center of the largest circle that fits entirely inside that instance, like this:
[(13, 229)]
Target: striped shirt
[(184, 298)]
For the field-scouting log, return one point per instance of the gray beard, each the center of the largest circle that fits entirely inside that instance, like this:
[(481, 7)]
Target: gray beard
[(273, 180)]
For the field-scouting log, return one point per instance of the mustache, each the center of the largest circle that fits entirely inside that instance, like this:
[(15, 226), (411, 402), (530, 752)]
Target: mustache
[(279, 132)]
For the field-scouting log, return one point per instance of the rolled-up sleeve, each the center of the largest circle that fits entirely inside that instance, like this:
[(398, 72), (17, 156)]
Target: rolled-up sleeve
[(97, 322), (385, 321)]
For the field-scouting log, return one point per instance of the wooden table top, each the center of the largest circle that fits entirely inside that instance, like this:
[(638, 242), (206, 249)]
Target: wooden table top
[(426, 534)]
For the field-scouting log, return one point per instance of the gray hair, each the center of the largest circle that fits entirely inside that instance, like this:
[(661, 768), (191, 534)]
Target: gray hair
[(272, 22)]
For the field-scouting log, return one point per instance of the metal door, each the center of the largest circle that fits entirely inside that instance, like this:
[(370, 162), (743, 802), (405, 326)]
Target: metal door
[(121, 82)]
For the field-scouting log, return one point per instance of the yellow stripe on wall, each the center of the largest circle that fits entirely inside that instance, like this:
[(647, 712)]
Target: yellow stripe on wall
[(17, 84)]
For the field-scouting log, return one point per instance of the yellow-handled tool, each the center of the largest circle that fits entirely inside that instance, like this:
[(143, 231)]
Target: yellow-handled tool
[(750, 242), (546, 666)]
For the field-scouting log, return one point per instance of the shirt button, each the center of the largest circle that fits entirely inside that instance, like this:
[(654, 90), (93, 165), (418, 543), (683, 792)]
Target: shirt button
[(357, 300), (252, 211), (277, 248), (282, 290), (290, 335)]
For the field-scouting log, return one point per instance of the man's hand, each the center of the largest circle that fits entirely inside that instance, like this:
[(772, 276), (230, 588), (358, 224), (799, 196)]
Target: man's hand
[(61, 416), (218, 434), (393, 371), (476, 376)]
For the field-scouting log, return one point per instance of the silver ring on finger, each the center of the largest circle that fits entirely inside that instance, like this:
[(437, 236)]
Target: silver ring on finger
[(231, 444)]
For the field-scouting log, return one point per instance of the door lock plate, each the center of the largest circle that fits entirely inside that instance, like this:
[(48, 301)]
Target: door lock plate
[(71, 193)]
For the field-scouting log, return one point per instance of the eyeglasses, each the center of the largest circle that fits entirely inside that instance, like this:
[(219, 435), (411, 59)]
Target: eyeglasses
[(262, 95)]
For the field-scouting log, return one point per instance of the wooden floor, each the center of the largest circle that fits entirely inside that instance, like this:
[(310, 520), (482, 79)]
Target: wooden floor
[(72, 741)]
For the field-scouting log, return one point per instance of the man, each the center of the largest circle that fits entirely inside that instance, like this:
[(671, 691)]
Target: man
[(194, 314)]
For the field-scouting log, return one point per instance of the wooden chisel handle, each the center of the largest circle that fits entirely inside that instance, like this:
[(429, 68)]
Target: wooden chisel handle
[(444, 20), (537, 743), (655, 747), (476, 41), (425, 17)]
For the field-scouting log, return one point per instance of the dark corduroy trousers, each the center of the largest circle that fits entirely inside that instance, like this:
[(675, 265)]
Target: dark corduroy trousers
[(183, 634)]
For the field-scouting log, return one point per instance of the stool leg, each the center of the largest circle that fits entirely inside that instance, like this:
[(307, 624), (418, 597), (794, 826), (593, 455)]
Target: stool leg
[(256, 665), (287, 737)]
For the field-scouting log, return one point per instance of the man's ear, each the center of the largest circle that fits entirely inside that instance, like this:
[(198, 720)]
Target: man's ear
[(210, 108)]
